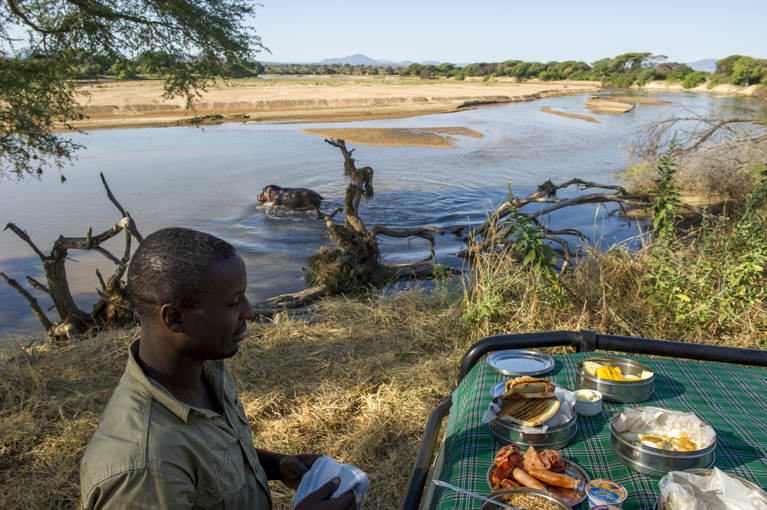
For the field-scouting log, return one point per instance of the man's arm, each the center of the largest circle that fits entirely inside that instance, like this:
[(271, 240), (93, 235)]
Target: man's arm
[(143, 489)]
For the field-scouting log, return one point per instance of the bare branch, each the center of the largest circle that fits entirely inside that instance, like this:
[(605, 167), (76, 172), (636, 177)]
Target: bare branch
[(37, 285), (33, 304), (23, 235), (408, 232), (109, 256)]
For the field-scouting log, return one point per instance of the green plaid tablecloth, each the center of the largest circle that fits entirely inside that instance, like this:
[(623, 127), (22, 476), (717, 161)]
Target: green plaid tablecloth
[(733, 399)]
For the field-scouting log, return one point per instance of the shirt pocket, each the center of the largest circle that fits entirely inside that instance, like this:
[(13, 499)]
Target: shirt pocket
[(228, 488)]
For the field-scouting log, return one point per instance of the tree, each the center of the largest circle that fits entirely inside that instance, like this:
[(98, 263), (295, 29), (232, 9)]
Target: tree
[(628, 62), (38, 91)]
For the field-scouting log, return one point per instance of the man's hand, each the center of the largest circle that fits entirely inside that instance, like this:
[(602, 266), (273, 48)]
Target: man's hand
[(320, 499), (294, 467)]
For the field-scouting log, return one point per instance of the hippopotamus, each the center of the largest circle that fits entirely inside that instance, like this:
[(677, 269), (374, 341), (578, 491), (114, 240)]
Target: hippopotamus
[(293, 198)]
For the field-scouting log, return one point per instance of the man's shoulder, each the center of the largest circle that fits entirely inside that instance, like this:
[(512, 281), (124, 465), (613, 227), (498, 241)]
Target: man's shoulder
[(122, 439)]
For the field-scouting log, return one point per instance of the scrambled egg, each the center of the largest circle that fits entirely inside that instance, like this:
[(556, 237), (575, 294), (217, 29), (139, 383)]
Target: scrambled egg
[(676, 441)]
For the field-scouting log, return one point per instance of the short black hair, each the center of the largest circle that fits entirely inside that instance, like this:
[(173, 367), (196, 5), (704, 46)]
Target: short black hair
[(171, 266)]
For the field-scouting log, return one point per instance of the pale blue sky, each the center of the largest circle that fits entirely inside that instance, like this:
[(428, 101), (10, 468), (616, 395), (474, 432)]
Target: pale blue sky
[(496, 30)]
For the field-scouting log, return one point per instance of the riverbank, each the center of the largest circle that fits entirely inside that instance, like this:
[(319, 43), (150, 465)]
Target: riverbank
[(357, 382), (126, 104)]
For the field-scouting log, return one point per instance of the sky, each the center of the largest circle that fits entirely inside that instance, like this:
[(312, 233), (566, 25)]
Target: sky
[(498, 30)]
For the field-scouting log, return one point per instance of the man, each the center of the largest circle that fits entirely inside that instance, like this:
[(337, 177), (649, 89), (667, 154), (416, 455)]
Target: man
[(174, 435)]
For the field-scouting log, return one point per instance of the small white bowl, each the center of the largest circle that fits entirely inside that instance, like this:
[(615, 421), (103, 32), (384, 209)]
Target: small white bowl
[(588, 407)]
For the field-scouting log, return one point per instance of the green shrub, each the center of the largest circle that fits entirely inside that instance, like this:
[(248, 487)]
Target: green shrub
[(459, 76), (694, 79)]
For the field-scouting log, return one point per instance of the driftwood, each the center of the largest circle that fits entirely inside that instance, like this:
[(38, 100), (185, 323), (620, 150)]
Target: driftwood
[(494, 231), (111, 308)]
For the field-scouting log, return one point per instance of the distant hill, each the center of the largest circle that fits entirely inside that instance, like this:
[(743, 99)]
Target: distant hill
[(355, 60), (359, 59), (708, 65)]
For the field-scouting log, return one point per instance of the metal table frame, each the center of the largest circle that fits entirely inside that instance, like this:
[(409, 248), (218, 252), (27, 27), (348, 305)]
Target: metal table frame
[(582, 341)]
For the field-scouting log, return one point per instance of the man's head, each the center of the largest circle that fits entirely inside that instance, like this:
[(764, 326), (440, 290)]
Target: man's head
[(190, 286)]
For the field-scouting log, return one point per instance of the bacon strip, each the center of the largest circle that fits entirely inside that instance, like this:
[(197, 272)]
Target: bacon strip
[(532, 460)]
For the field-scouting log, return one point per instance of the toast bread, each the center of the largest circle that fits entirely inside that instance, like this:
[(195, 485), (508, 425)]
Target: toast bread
[(531, 388), (530, 412)]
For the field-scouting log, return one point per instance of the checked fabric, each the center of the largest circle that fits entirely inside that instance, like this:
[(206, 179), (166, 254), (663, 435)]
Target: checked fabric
[(731, 398)]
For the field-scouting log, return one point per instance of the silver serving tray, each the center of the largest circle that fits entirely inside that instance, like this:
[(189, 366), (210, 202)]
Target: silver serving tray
[(520, 362), (524, 490), (626, 392), (655, 461), (555, 437), (571, 469), (705, 472)]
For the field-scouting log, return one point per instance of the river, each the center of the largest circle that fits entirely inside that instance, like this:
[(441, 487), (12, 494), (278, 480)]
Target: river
[(209, 178)]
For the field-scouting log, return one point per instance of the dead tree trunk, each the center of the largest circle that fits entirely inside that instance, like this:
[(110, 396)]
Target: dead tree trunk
[(112, 308), (355, 260)]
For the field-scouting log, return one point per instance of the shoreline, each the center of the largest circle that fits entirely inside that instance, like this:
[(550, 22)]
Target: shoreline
[(139, 104)]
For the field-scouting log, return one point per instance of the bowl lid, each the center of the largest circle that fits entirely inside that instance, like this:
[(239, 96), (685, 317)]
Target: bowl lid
[(520, 362)]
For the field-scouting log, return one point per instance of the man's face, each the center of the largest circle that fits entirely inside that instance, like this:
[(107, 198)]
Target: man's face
[(217, 324)]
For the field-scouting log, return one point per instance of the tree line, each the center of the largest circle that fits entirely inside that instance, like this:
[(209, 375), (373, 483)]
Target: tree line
[(621, 71)]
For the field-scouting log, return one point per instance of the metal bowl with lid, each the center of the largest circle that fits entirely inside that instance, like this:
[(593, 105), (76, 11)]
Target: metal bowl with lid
[(555, 437), (758, 491), (627, 392), (534, 499), (657, 462)]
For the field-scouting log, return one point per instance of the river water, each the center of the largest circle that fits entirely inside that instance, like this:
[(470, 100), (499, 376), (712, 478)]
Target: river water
[(209, 179)]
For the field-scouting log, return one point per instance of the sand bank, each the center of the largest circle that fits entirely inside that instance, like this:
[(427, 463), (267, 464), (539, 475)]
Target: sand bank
[(140, 103), (389, 137), (569, 115)]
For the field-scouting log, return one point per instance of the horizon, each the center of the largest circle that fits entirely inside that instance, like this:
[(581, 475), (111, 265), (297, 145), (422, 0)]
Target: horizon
[(451, 32)]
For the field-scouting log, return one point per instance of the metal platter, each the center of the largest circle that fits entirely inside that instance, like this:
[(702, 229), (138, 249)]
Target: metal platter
[(571, 469), (706, 472), (520, 362)]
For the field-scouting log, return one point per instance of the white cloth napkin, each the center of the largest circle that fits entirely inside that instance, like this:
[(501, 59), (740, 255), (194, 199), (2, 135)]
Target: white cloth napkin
[(717, 491), (323, 470)]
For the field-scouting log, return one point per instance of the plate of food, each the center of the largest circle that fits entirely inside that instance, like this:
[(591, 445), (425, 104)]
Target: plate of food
[(545, 470)]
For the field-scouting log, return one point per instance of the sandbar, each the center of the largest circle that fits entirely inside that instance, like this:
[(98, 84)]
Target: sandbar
[(122, 104), (569, 115), (607, 107), (394, 137)]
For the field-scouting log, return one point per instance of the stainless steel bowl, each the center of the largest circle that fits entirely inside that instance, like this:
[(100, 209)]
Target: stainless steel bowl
[(706, 472), (627, 392), (654, 461), (555, 437), (501, 494)]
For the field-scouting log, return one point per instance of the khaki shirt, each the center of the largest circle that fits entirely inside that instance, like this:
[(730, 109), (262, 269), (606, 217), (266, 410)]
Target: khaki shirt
[(152, 451)]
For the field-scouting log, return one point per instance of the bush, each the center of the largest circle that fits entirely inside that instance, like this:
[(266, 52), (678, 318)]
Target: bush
[(460, 76), (694, 79), (623, 80), (127, 74)]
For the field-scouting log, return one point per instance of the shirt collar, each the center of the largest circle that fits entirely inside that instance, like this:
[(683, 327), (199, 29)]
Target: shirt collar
[(158, 392)]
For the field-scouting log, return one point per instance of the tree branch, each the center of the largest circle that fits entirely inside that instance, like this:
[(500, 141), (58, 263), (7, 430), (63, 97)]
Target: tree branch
[(23, 235), (33, 304), (408, 232), (37, 285)]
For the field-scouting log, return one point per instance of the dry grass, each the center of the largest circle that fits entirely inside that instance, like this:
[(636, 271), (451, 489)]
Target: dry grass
[(357, 382)]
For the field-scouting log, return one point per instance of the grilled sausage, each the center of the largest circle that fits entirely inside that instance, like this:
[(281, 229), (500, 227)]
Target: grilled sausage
[(527, 480), (555, 479)]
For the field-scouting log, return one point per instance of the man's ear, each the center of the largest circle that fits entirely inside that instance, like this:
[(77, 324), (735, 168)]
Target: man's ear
[(172, 317)]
